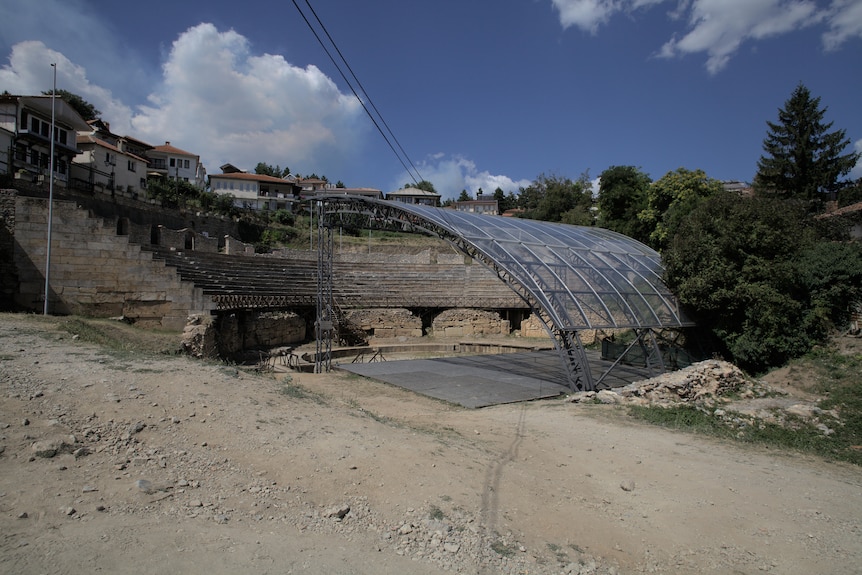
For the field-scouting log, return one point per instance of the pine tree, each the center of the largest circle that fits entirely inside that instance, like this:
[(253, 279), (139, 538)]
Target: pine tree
[(803, 158)]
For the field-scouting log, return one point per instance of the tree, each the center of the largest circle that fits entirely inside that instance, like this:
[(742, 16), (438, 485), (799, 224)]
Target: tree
[(504, 202), (622, 196), (83, 107), (670, 199), (423, 185), (557, 199), (265, 169), (734, 267), (464, 197), (803, 158)]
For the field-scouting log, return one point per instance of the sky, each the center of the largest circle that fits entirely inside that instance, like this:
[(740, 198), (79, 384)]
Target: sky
[(470, 94)]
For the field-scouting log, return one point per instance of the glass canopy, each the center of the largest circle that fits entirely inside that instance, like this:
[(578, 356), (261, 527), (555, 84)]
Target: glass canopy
[(573, 277), (584, 277)]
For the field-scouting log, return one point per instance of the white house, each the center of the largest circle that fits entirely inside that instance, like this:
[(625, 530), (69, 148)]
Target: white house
[(255, 191), (103, 166), (175, 164), (414, 196), (25, 142)]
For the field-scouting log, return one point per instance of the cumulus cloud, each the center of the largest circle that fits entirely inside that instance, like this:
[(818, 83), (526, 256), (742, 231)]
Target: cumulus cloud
[(219, 99), (29, 72), (844, 18), (719, 27), (452, 174)]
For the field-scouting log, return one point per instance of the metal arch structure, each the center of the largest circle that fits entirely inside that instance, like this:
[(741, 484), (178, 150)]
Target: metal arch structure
[(572, 277)]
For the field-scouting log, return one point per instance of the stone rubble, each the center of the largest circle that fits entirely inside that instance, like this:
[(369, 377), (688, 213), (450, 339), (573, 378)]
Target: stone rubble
[(719, 388)]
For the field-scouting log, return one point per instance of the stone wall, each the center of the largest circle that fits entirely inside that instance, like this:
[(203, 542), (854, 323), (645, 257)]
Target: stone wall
[(8, 270), (186, 239), (386, 323), (469, 322), (94, 271), (228, 335)]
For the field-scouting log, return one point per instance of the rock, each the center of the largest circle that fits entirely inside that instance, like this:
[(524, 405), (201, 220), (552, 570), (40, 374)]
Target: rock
[(405, 529), (607, 397), (69, 511), (338, 512), (451, 547), (88, 489), (23, 515), (627, 485), (47, 448), (137, 427), (145, 486), (195, 503)]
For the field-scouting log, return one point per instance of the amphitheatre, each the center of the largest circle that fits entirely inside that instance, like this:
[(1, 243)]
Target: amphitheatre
[(126, 460)]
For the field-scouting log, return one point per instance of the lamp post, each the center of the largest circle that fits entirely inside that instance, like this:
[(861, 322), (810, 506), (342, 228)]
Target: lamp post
[(50, 194)]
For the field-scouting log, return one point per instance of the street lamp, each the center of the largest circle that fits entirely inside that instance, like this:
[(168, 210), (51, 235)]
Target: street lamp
[(50, 194)]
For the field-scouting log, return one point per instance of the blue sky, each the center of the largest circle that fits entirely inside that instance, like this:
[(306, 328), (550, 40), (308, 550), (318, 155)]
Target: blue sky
[(480, 93)]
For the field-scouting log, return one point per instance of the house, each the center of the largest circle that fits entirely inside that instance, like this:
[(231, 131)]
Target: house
[(25, 145), (850, 216), (480, 206), (414, 196), (170, 162), (254, 191), (102, 166)]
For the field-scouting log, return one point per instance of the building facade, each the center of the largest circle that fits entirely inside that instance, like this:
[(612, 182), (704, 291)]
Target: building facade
[(170, 162), (25, 137)]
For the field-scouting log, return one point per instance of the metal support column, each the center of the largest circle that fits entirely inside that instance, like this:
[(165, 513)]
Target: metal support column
[(324, 325), (575, 359)]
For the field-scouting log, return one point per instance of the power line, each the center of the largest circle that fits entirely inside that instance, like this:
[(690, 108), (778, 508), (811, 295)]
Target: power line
[(356, 95)]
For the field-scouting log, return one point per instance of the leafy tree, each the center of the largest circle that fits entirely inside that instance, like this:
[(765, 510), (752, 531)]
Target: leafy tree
[(422, 185), (622, 196), (265, 169), (670, 199), (732, 265), (464, 196), (802, 156), (82, 106), (558, 199), (851, 194), (505, 202)]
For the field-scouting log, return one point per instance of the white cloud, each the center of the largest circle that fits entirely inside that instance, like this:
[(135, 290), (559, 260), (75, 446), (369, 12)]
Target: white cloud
[(29, 72), (587, 15), (845, 22), (452, 174), (719, 27), (221, 101)]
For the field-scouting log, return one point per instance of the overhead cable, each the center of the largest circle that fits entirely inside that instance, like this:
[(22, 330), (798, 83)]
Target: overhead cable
[(403, 158)]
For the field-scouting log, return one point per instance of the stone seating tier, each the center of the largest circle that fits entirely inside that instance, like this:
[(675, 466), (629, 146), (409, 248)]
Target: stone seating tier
[(261, 281)]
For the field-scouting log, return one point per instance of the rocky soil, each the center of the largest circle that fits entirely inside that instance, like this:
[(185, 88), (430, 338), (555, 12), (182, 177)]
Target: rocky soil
[(127, 463)]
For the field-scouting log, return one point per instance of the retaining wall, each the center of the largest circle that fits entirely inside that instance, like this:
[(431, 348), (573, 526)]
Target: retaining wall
[(94, 271)]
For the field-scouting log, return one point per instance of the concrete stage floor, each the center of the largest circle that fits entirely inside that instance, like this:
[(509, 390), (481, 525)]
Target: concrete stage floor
[(482, 380)]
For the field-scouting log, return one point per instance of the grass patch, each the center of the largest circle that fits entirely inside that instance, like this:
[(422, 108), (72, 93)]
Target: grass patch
[(835, 376), (121, 337), (436, 513), (296, 391), (503, 549)]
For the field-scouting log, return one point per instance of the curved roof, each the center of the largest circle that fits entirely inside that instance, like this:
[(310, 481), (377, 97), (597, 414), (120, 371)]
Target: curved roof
[(581, 277)]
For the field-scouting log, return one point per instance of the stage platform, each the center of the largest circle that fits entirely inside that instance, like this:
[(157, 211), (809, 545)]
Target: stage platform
[(482, 380)]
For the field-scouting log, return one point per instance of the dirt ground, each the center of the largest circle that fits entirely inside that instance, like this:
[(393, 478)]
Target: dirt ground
[(118, 463)]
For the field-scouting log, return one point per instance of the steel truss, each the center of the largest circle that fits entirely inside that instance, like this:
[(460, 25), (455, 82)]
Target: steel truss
[(587, 278)]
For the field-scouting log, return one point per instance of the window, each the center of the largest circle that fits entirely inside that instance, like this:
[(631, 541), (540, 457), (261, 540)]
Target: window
[(133, 166), (173, 162), (186, 164)]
